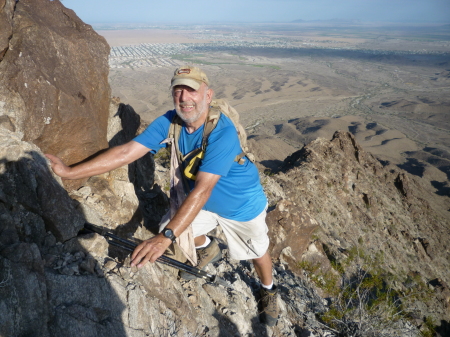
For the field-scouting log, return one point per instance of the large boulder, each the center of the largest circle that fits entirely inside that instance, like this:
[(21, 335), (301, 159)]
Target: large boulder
[(53, 78)]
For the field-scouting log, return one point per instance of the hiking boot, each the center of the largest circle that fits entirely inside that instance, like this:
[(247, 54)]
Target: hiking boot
[(269, 305), (210, 254)]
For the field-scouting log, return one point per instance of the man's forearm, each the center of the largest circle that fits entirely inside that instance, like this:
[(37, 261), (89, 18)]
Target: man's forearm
[(193, 203), (109, 160), (104, 162), (187, 212)]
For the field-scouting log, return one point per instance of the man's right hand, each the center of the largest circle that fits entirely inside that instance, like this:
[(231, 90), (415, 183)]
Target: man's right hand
[(149, 250), (59, 167)]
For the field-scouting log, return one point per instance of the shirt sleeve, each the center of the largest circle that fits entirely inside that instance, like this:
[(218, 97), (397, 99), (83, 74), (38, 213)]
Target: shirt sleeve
[(156, 132)]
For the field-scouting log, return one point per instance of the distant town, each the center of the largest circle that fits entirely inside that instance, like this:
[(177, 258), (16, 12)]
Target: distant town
[(165, 54), (171, 54), (145, 55)]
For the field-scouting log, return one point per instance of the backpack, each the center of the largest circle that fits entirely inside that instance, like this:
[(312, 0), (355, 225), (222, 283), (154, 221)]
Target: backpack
[(192, 160)]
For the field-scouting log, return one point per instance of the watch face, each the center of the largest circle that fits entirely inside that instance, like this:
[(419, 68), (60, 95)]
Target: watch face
[(168, 233)]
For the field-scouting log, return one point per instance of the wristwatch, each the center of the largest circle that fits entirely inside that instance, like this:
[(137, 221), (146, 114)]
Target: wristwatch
[(168, 233)]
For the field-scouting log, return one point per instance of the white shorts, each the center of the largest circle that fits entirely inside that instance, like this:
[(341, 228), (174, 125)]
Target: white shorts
[(246, 239)]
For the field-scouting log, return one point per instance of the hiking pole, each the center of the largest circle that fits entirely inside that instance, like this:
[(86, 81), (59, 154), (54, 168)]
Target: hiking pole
[(130, 246)]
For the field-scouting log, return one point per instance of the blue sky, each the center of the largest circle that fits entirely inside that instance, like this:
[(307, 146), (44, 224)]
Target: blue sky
[(209, 11)]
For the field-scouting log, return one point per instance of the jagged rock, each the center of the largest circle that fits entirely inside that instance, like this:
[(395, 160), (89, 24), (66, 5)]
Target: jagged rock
[(94, 244), (83, 306), (359, 203), (53, 78), (112, 194), (168, 290), (294, 228), (272, 189)]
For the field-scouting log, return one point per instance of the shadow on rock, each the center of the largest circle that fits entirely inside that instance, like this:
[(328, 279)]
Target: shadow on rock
[(443, 329), (153, 203), (227, 328), (50, 285)]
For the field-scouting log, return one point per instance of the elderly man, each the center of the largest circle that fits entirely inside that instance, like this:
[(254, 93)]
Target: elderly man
[(225, 192)]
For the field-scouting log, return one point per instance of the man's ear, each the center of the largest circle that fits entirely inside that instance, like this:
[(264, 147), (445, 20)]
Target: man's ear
[(209, 95)]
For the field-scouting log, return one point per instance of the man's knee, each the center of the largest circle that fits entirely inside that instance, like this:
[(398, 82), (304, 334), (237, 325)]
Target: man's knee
[(265, 258)]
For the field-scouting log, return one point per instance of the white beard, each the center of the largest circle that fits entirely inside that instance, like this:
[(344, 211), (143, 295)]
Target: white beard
[(188, 119)]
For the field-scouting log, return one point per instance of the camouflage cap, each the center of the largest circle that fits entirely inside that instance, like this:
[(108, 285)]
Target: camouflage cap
[(190, 76)]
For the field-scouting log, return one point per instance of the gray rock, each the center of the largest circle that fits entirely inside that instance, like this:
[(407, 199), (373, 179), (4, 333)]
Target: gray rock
[(23, 291)]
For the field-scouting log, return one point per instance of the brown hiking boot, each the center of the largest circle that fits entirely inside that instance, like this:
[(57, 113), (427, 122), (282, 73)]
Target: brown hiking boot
[(210, 254), (269, 305)]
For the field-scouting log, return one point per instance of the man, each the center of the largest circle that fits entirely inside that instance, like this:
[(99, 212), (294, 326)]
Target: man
[(224, 192)]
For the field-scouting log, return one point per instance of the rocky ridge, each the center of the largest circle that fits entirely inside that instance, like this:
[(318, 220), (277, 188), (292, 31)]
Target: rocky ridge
[(346, 196)]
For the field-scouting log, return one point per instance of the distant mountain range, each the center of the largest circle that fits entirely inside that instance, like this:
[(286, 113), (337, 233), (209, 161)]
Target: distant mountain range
[(326, 21)]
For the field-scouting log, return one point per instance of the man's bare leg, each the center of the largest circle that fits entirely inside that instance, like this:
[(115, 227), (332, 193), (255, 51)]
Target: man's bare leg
[(268, 300), (263, 266)]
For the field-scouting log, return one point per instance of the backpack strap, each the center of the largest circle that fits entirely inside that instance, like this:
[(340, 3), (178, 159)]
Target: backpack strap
[(174, 133), (210, 124)]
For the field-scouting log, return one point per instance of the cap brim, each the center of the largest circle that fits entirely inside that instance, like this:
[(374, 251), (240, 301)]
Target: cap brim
[(186, 81)]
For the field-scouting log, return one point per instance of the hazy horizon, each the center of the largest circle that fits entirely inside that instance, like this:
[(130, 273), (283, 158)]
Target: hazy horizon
[(253, 11)]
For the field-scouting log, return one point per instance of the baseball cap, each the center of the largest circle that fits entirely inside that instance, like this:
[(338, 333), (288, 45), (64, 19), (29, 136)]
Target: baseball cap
[(190, 76)]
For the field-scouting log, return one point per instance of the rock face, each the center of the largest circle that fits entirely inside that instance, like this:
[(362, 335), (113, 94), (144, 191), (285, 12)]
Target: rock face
[(53, 78)]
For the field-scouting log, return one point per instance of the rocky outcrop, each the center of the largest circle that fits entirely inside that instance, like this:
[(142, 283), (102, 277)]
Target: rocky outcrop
[(54, 282), (53, 78), (353, 201)]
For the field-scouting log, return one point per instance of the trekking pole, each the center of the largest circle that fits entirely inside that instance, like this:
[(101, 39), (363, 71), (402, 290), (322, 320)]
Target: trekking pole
[(130, 246)]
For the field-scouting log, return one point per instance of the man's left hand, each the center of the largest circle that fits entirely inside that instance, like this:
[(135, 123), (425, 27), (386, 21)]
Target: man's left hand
[(149, 250)]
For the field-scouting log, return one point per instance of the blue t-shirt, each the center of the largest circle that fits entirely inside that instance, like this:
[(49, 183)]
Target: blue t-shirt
[(238, 195)]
